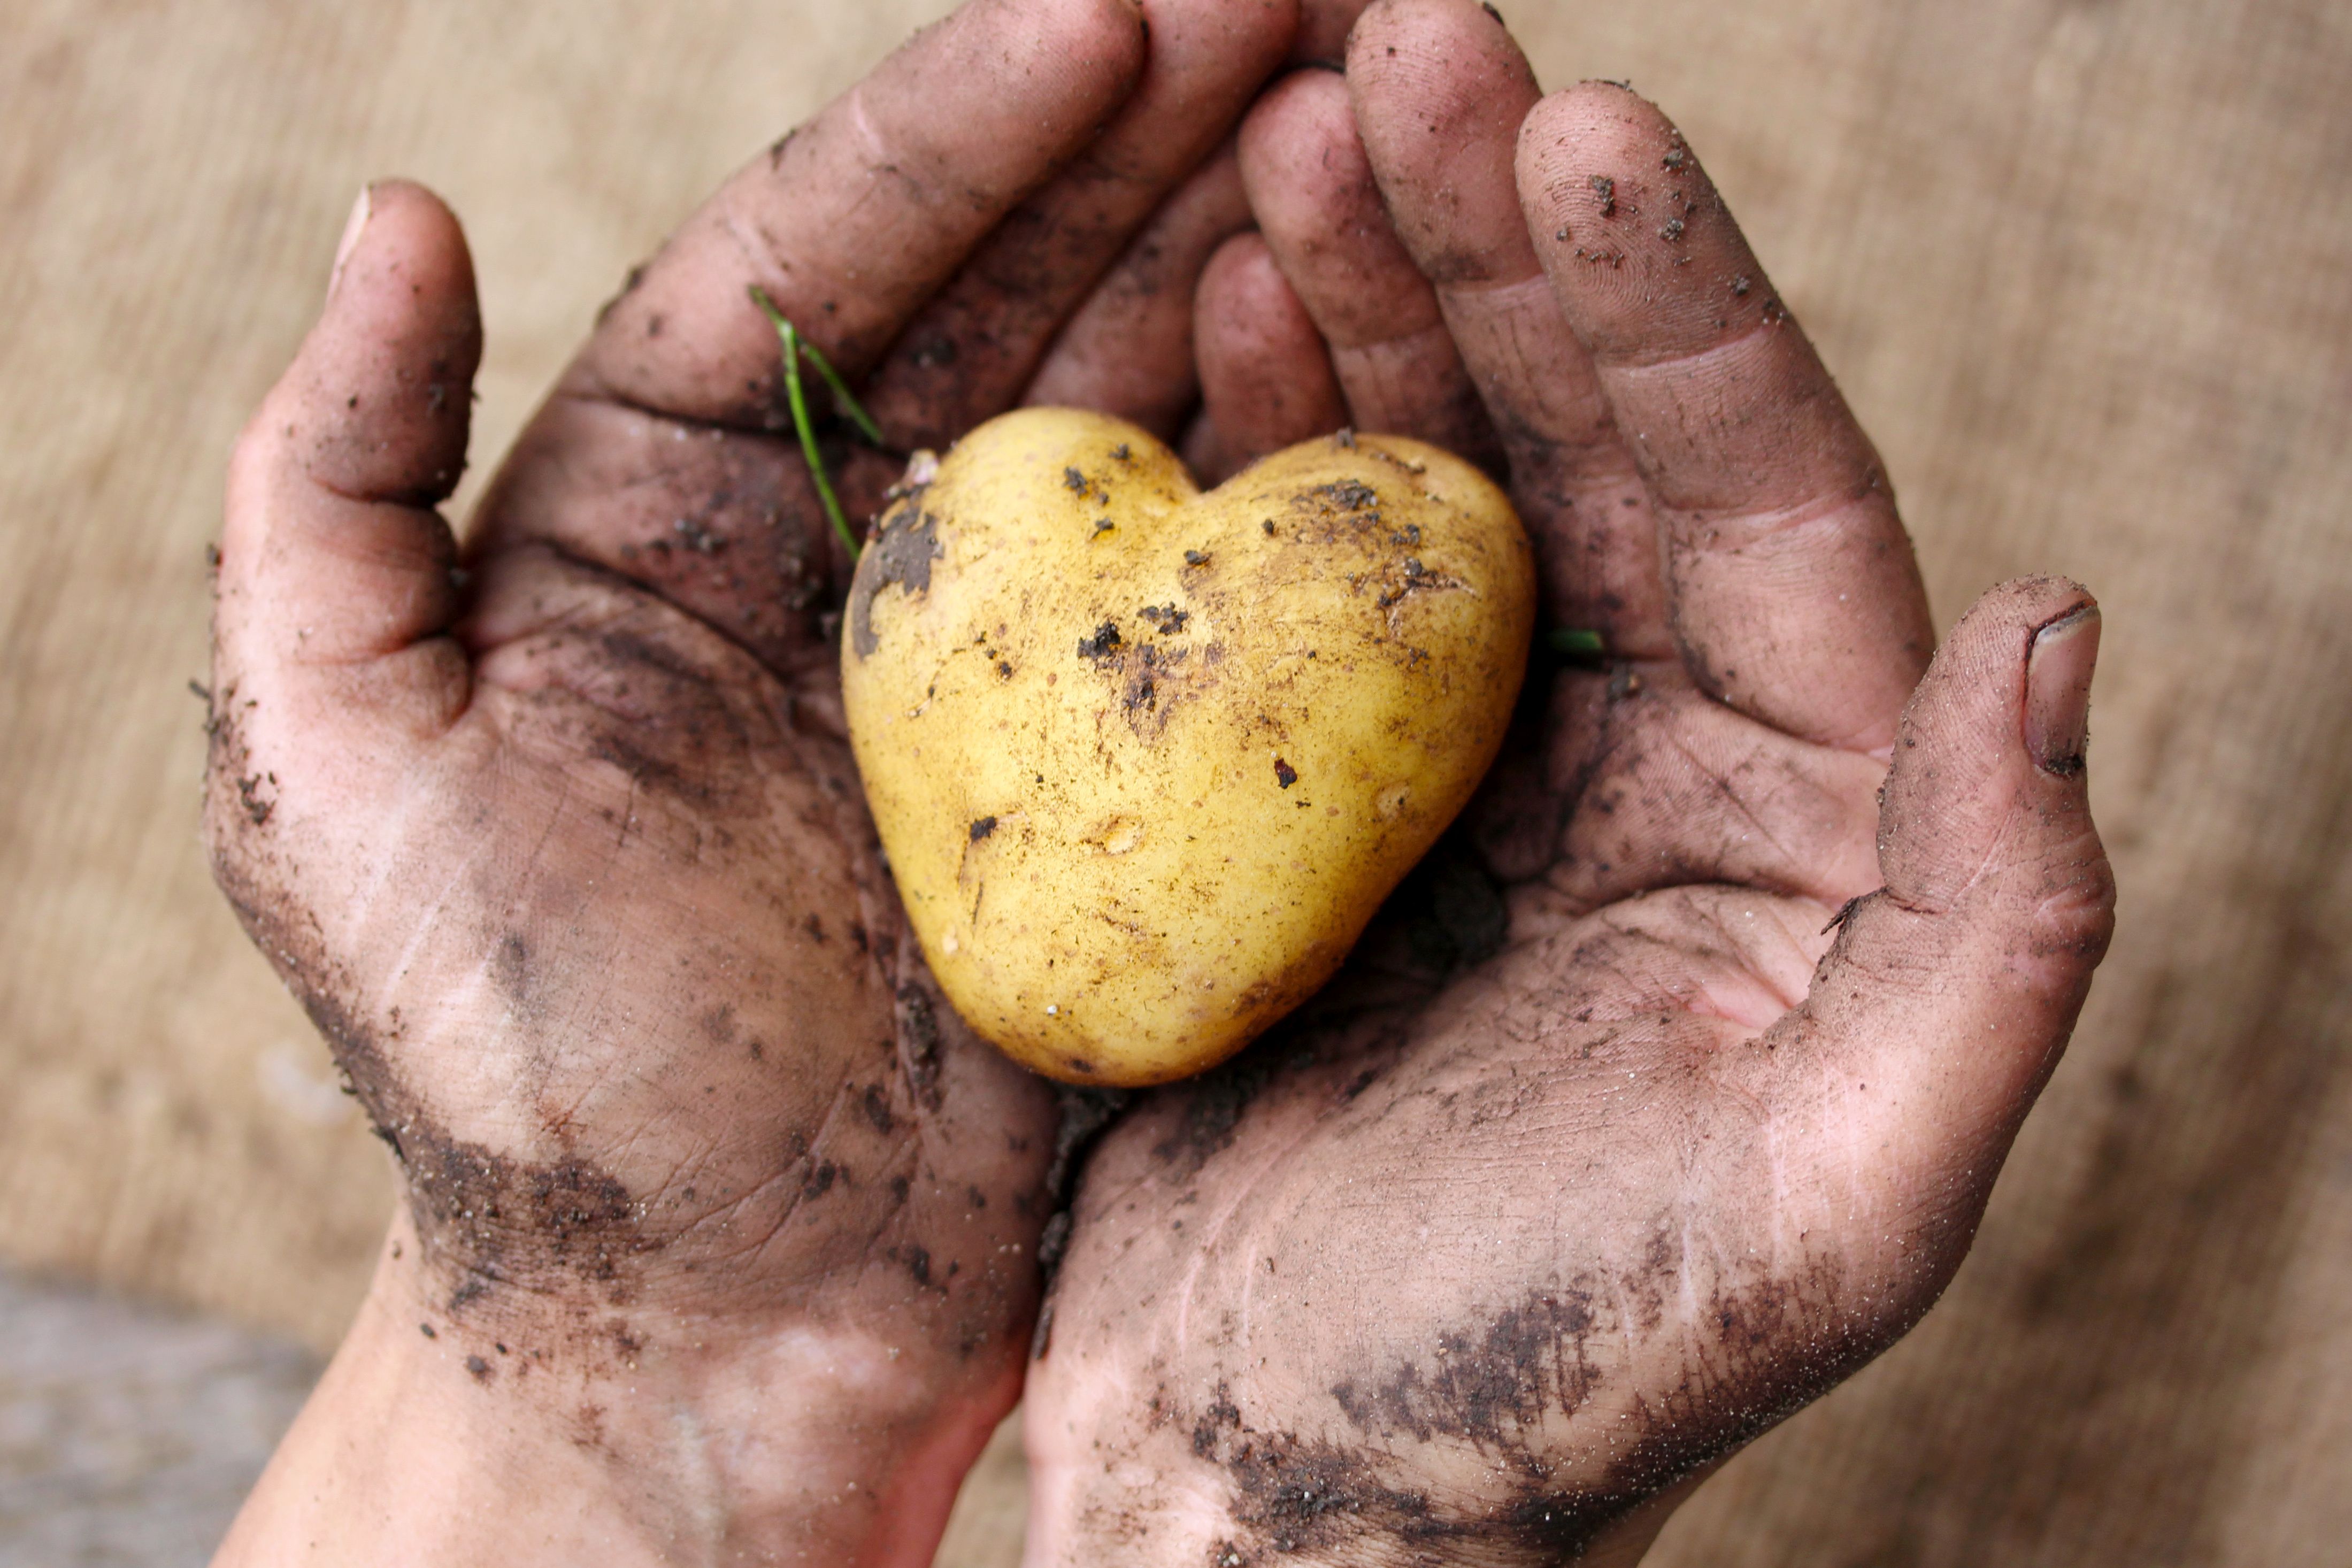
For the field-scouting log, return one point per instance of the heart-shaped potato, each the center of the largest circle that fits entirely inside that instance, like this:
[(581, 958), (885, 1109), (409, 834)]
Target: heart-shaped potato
[(1145, 760)]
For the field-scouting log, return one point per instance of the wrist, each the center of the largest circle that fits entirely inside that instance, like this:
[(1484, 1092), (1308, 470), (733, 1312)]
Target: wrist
[(568, 1429)]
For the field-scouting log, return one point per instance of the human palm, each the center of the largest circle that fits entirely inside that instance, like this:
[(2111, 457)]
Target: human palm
[(1678, 1091), (556, 832)]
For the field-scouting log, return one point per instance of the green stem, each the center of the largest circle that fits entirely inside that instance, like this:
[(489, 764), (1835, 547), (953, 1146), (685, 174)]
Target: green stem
[(841, 397), (794, 345), (1575, 640)]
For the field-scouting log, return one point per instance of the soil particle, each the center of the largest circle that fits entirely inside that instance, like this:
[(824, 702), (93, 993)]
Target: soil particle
[(1103, 645), (1084, 1113), (487, 1218), (1052, 1242), (693, 534), (1606, 189), (645, 769), (510, 967), (902, 552), (1283, 773), (1345, 495), (248, 795), (981, 826), (1217, 1101), (1492, 1385), (875, 1103), (1295, 1495), (918, 1033)]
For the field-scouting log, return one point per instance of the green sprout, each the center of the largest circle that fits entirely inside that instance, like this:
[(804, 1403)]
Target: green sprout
[(795, 346), (1575, 640)]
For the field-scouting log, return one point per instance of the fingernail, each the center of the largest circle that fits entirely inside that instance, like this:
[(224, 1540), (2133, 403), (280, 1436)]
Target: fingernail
[(2058, 691), (353, 226)]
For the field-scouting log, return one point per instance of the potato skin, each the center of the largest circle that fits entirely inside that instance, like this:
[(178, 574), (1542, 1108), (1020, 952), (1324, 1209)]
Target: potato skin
[(1142, 786)]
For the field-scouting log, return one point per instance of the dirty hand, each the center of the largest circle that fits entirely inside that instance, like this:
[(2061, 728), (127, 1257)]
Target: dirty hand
[(719, 1234), (1676, 1094)]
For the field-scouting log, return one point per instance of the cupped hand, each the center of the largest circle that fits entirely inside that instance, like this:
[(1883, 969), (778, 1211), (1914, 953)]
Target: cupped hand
[(720, 1230), (1673, 1091)]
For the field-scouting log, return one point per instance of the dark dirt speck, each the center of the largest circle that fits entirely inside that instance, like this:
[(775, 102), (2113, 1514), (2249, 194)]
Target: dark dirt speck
[(1346, 495), (1104, 643), (901, 553)]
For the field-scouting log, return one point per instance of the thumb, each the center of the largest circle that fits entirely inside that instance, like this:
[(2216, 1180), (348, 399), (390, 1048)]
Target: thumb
[(334, 583), (1950, 992), (331, 554)]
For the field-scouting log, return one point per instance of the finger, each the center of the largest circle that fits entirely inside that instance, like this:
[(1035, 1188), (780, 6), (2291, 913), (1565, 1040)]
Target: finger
[(1128, 351), (970, 351), (1312, 189), (330, 668), (665, 454), (1948, 995), (854, 219), (334, 582), (1793, 591), (1439, 91), (1265, 380)]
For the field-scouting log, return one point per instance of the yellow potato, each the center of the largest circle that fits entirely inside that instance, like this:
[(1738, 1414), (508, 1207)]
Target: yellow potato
[(1145, 760)]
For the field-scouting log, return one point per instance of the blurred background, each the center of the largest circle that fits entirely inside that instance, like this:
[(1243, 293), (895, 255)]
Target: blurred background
[(2084, 267)]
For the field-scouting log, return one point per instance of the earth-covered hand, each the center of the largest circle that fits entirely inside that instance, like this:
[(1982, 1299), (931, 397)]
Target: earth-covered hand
[(720, 1231), (1673, 1090)]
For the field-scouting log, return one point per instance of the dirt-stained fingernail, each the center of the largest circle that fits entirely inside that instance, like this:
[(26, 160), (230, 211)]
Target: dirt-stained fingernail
[(2058, 691), (353, 226)]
